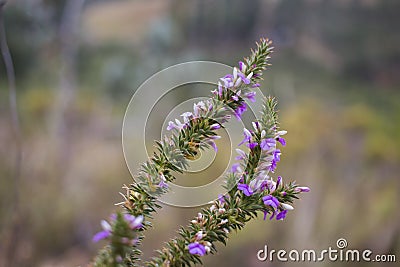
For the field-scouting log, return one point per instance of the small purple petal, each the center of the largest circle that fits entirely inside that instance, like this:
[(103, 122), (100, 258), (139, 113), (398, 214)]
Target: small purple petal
[(277, 155), (240, 110), (244, 78), (271, 201), (245, 189), (267, 144), (221, 198), (272, 168), (163, 184), (252, 145), (282, 141), (171, 125), (278, 181), (247, 136), (220, 89), (101, 235), (197, 249), (264, 185), (134, 222), (304, 189), (214, 146), (235, 168), (251, 96), (215, 126), (281, 215), (241, 66)]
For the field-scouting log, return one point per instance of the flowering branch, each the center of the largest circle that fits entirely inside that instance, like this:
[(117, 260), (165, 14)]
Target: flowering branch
[(255, 193), (196, 132)]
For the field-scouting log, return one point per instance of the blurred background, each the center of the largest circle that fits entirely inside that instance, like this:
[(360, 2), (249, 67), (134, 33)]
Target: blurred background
[(335, 71)]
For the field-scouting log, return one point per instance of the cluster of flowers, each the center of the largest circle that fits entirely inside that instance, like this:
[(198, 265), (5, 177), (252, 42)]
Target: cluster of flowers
[(257, 187), (201, 110), (237, 85), (129, 220), (200, 246), (254, 190), (227, 100)]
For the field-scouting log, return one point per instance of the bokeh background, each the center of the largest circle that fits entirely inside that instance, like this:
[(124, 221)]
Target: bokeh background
[(335, 72)]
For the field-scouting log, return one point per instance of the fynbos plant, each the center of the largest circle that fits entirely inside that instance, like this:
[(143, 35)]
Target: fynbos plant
[(250, 188)]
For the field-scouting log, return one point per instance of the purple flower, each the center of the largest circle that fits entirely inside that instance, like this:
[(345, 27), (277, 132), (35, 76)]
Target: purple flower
[(198, 108), (221, 199), (134, 222), (242, 66), (247, 136), (220, 89), (214, 146), (163, 182), (236, 96), (177, 125), (227, 80), (214, 137), (103, 234), (272, 167), (271, 185), (242, 154), (272, 215), (171, 125), (245, 189), (282, 141), (215, 126), (197, 249), (236, 168), (267, 144), (244, 78), (302, 189), (240, 110), (199, 235), (276, 158), (271, 201), (265, 214), (277, 155), (187, 116), (251, 96), (281, 215), (210, 106), (228, 76), (278, 181), (264, 185), (252, 145)]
